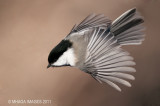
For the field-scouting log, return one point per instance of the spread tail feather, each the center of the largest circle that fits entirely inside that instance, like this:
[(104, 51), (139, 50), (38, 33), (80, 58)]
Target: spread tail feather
[(128, 28)]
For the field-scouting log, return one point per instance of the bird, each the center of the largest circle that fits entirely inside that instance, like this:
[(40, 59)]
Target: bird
[(94, 46)]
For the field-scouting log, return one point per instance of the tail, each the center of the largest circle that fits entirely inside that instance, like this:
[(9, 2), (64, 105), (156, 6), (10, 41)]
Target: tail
[(128, 28)]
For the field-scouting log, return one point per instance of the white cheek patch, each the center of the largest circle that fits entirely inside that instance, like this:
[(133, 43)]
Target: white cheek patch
[(67, 57)]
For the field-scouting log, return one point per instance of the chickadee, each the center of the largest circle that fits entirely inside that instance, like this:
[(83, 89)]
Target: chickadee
[(94, 46)]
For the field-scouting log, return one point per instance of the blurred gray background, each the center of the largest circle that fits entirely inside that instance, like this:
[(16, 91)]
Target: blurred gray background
[(29, 29)]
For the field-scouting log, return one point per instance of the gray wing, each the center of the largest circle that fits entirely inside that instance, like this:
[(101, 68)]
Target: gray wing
[(91, 21), (128, 28), (106, 61)]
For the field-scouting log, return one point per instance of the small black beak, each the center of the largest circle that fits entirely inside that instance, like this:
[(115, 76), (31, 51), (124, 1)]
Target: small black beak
[(48, 66)]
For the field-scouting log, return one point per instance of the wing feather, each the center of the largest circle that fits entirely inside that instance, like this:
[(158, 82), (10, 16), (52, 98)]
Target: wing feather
[(92, 21), (118, 74), (106, 61), (110, 83), (115, 79)]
